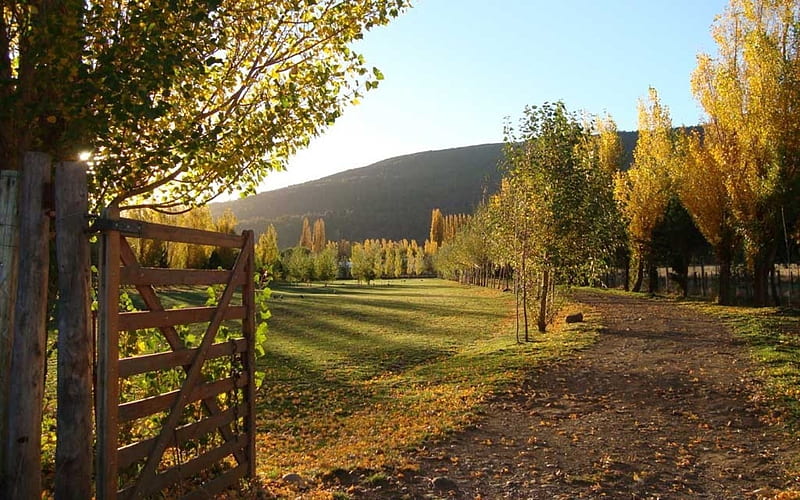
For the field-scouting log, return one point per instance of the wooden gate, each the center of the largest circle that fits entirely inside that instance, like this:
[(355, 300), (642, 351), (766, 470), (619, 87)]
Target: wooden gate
[(202, 433)]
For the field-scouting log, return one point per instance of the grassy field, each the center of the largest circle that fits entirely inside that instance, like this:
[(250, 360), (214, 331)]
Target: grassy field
[(358, 375)]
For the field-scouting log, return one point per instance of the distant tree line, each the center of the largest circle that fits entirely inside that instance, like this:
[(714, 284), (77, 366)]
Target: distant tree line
[(315, 258)]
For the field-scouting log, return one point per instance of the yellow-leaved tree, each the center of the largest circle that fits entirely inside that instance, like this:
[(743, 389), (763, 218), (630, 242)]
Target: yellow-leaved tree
[(700, 182), (266, 252), (318, 239), (643, 192), (306, 238), (750, 92)]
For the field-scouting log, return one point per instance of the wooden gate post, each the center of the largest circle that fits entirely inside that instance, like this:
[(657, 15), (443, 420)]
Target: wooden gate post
[(108, 363), (74, 412), (23, 458), (8, 289)]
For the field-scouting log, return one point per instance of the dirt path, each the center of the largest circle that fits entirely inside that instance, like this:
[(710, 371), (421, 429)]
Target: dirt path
[(660, 407)]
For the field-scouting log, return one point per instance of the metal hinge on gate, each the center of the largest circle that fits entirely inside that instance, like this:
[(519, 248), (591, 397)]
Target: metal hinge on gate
[(127, 226)]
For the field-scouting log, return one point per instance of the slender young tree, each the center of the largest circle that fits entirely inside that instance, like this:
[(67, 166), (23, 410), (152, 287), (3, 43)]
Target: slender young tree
[(610, 156), (567, 208)]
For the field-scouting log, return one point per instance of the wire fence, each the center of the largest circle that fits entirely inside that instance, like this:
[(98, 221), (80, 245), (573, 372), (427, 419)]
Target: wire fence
[(703, 281)]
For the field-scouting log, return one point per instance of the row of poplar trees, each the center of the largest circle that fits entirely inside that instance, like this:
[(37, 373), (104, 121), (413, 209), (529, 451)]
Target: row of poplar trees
[(737, 174), (566, 209), (316, 258)]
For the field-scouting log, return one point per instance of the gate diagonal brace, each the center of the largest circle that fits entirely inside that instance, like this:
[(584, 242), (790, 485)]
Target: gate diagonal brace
[(153, 303), (192, 377)]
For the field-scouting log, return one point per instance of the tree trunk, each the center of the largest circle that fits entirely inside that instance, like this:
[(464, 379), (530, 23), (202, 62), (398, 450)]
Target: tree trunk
[(762, 262), (23, 455), (724, 297), (525, 296), (8, 286), (637, 285), (74, 441), (652, 276), (542, 319), (516, 296), (703, 279), (627, 277), (776, 300)]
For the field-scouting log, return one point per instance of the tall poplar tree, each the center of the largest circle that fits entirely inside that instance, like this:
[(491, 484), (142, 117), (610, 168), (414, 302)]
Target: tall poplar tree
[(700, 181), (749, 92), (643, 192), (437, 228), (306, 238), (318, 239)]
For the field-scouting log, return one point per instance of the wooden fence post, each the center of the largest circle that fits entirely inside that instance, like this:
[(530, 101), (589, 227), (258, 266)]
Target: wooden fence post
[(8, 288), (23, 458), (74, 440)]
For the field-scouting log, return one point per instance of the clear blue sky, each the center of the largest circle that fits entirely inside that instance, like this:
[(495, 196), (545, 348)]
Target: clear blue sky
[(455, 68)]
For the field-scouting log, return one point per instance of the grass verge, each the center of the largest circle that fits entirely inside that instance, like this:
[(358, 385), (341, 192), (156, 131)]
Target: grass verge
[(772, 336), (358, 376)]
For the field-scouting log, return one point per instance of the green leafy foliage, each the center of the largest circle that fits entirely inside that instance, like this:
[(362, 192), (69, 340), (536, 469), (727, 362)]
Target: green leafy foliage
[(180, 100), (554, 217)]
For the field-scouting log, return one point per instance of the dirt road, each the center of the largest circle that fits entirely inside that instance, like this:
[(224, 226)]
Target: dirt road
[(661, 407)]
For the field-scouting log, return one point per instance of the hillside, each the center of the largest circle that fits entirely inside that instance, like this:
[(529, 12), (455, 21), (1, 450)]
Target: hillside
[(390, 199)]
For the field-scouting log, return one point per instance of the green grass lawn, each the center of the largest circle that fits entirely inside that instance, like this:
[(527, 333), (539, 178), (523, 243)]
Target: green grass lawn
[(358, 375)]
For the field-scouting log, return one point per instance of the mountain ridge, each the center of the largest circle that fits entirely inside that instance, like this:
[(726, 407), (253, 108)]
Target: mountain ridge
[(391, 198)]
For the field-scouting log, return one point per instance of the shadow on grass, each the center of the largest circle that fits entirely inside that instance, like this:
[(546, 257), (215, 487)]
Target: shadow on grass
[(293, 388), (363, 354), (324, 348)]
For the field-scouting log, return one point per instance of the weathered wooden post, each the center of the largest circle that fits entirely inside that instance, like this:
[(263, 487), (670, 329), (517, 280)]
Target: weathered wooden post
[(108, 362), (249, 332), (9, 187), (74, 414), (23, 452)]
